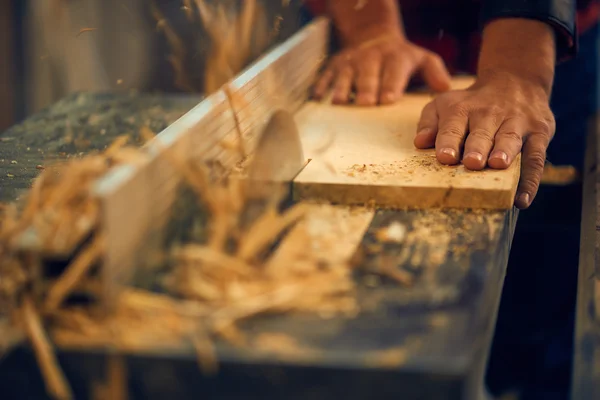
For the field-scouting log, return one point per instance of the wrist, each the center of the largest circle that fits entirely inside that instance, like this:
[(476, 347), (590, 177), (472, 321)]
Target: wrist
[(371, 34), (517, 82), (519, 50)]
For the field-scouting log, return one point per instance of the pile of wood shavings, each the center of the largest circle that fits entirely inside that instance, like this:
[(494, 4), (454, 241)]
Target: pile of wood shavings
[(229, 278), (56, 216), (58, 213), (233, 275)]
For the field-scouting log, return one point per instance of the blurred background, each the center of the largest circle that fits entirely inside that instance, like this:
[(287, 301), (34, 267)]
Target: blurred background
[(50, 48)]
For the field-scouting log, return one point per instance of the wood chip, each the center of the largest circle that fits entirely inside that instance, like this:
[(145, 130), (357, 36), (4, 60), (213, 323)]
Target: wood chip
[(55, 381), (61, 289)]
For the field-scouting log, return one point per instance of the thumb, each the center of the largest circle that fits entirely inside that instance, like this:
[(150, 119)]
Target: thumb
[(434, 72)]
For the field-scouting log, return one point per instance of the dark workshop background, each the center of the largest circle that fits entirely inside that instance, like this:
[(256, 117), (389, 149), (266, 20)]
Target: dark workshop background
[(42, 61)]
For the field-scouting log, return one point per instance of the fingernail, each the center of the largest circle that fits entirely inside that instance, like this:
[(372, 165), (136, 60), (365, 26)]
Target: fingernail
[(424, 131), (387, 97), (500, 155), (448, 151), (524, 198), (474, 155), (365, 99)]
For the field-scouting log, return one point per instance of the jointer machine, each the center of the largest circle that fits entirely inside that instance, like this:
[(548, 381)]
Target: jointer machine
[(426, 339)]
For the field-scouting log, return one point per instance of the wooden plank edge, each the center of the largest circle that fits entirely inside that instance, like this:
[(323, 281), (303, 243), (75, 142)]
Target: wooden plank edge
[(387, 196)]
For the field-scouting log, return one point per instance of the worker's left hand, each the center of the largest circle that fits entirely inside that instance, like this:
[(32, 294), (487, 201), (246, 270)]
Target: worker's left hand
[(488, 124), (380, 69)]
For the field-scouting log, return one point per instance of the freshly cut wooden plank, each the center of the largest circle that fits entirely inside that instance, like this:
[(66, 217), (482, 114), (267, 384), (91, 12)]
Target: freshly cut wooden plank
[(365, 155)]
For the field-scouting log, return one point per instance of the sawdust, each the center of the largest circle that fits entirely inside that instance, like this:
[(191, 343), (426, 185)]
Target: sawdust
[(230, 277), (56, 217), (390, 358), (406, 170), (395, 232), (238, 34), (412, 253), (237, 38), (282, 345)]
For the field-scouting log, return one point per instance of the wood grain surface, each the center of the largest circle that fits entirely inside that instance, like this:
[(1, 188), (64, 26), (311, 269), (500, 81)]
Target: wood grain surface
[(366, 155)]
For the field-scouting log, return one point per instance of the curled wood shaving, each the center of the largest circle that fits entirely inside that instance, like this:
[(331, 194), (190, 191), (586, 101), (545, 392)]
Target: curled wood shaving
[(117, 378), (212, 258), (266, 229), (84, 30), (179, 53), (65, 284), (206, 353), (56, 384)]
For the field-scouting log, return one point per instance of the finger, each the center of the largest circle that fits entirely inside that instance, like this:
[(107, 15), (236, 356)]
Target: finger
[(451, 135), (427, 127), (507, 143), (323, 83), (480, 140), (532, 168), (434, 72), (368, 80), (342, 85), (395, 77)]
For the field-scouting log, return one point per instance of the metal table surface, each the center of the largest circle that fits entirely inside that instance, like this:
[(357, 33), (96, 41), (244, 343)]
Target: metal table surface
[(447, 336), (586, 364)]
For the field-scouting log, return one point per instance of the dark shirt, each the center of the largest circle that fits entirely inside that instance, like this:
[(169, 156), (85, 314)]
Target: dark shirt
[(451, 28)]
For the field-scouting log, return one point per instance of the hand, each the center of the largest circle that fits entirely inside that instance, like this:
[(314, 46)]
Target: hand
[(493, 120), (379, 70)]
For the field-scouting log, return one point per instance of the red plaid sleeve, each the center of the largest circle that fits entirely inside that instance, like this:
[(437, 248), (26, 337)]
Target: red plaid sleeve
[(316, 7)]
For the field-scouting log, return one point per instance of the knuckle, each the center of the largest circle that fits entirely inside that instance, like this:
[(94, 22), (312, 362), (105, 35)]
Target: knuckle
[(459, 109), (542, 126), (366, 82), (511, 136), (434, 58), (536, 159), (453, 132), (494, 112), (481, 135), (345, 72), (429, 112)]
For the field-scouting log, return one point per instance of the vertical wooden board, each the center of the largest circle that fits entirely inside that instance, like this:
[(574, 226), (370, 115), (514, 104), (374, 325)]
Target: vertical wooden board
[(281, 79), (137, 200), (362, 155)]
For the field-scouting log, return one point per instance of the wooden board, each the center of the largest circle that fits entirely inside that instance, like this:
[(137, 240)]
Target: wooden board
[(363, 155)]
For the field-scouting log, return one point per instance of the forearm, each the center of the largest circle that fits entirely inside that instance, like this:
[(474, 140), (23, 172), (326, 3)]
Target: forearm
[(519, 49), (365, 20)]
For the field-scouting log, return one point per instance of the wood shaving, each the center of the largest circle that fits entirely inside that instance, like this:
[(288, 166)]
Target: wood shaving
[(74, 273), (281, 344), (391, 358), (84, 30), (395, 232), (56, 384)]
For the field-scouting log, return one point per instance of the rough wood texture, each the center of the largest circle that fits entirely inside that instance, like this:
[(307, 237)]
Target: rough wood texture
[(586, 362), (371, 158)]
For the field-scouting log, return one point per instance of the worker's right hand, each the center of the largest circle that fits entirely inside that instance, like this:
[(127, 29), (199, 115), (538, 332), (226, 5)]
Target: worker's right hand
[(379, 70)]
